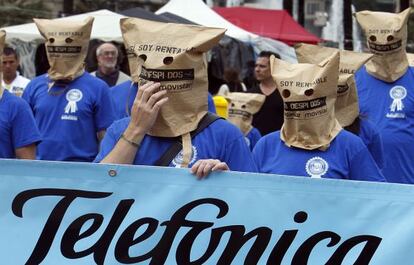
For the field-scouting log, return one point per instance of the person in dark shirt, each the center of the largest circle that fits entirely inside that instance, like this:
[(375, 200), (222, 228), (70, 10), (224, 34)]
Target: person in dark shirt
[(108, 69), (270, 116)]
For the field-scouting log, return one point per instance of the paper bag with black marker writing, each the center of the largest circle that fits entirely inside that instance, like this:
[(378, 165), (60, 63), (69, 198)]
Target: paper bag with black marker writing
[(309, 93), (386, 35), (242, 107), (346, 105), (172, 54), (2, 41), (66, 46)]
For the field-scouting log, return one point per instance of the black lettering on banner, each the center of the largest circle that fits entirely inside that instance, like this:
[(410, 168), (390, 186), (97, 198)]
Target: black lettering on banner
[(55, 218), (128, 239), (64, 49), (385, 47), (158, 75), (305, 105)]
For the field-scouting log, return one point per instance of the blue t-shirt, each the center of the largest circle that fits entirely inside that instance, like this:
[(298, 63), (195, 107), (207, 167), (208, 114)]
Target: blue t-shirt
[(372, 139), (220, 140), (252, 138), (390, 106), (123, 96), (69, 116), (17, 125), (346, 158)]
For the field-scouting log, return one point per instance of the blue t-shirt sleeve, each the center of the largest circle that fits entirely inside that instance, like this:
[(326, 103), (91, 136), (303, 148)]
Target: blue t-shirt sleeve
[(27, 93), (363, 167), (238, 156), (254, 136), (104, 109), (25, 131), (108, 143)]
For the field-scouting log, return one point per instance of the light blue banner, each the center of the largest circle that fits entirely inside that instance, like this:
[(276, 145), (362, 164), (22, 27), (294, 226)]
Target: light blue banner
[(79, 213)]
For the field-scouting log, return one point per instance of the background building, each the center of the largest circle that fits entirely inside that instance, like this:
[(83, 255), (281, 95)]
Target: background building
[(328, 19)]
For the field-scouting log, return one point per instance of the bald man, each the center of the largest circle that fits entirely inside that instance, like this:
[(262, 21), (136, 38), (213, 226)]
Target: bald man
[(108, 70)]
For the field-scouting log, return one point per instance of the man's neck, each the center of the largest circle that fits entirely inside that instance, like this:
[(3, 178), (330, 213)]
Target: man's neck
[(267, 86), (106, 71), (9, 79)]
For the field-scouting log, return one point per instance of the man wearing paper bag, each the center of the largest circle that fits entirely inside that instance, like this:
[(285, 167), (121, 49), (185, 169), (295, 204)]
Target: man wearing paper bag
[(346, 104), (171, 103), (385, 89), (71, 107), (311, 142), (242, 107)]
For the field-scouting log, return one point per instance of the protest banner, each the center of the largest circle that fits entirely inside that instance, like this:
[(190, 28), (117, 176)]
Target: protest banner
[(81, 213)]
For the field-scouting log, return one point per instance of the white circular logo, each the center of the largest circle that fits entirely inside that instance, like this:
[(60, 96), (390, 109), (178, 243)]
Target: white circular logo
[(398, 92), (74, 95), (316, 167), (178, 159)]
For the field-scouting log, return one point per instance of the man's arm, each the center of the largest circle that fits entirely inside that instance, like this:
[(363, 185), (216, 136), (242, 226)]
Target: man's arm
[(26, 152), (147, 104)]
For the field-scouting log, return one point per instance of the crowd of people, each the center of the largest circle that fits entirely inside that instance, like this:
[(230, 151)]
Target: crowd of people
[(335, 114)]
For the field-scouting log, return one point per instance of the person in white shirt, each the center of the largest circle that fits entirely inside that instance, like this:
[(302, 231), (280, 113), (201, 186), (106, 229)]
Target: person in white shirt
[(12, 80)]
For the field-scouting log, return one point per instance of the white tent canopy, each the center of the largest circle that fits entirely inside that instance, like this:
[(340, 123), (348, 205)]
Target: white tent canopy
[(198, 12), (105, 27)]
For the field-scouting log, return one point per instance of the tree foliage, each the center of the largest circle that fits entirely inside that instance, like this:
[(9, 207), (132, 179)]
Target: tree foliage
[(21, 11)]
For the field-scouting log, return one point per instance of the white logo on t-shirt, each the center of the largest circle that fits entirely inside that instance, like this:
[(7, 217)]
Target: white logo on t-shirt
[(178, 159), (397, 93), (316, 167), (73, 96)]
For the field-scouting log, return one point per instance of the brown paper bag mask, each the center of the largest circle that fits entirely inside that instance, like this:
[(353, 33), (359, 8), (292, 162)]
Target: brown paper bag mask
[(346, 105), (172, 54), (242, 107), (386, 35), (308, 92), (2, 41), (66, 46), (410, 57)]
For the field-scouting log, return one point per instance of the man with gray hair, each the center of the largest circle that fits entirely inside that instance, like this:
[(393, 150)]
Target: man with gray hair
[(108, 70)]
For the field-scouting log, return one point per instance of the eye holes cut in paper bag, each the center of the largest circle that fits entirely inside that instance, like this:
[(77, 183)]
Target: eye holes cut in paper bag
[(309, 92), (172, 54), (346, 105), (66, 44), (386, 35), (242, 107)]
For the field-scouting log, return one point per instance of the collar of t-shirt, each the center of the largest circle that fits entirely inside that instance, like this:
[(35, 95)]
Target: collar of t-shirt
[(110, 79)]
